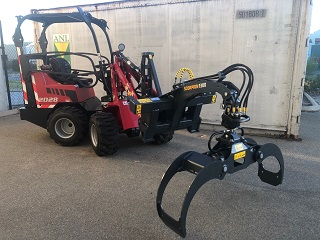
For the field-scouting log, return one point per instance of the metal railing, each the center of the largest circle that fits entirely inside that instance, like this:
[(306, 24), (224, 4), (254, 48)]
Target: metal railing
[(11, 71)]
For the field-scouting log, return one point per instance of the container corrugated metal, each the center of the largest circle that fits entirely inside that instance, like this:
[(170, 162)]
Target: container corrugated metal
[(269, 36)]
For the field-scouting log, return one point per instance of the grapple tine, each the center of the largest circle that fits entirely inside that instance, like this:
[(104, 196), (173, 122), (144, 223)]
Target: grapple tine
[(189, 161), (268, 150), (212, 171), (174, 168)]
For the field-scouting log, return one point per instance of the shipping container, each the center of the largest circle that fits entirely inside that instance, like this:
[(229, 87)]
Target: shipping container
[(270, 36)]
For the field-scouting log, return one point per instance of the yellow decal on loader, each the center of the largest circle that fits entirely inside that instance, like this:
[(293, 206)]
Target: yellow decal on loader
[(195, 86), (214, 99), (138, 109), (191, 87), (144, 100), (239, 155)]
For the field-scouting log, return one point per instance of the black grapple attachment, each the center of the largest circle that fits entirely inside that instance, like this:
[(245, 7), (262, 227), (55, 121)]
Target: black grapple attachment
[(180, 109), (230, 154)]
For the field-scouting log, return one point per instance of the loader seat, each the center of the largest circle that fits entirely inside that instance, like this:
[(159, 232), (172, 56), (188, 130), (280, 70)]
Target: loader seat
[(61, 65)]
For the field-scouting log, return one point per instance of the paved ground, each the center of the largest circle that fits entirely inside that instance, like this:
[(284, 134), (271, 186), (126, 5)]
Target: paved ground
[(53, 192)]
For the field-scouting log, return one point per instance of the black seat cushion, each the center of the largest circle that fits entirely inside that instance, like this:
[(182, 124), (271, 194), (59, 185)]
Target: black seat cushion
[(60, 65)]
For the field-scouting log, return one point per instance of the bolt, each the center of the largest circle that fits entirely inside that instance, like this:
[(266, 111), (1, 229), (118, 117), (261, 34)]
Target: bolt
[(260, 155), (225, 168)]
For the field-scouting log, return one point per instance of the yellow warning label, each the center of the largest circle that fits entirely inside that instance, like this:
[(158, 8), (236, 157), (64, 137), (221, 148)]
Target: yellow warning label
[(144, 100), (214, 98), (239, 155), (138, 109), (238, 147)]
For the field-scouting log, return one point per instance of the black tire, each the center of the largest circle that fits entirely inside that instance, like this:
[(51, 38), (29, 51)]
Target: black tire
[(104, 133), (162, 138), (68, 125)]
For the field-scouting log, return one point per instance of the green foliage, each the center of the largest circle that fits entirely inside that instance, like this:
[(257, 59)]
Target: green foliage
[(312, 81), (312, 66)]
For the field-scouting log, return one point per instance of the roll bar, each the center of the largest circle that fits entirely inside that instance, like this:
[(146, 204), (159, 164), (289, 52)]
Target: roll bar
[(47, 19)]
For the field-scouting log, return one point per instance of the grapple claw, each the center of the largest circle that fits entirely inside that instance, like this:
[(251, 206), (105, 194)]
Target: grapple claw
[(230, 154), (205, 169), (268, 150)]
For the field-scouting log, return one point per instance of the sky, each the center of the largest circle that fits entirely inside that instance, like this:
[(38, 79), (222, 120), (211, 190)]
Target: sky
[(22, 7), (315, 19), (15, 8)]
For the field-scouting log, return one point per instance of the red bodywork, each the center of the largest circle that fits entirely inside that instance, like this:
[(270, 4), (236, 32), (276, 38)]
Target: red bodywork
[(122, 82), (49, 92)]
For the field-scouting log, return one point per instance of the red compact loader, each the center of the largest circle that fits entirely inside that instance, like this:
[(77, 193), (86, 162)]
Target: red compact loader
[(61, 99)]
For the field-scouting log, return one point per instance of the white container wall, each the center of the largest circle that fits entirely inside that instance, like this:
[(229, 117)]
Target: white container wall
[(268, 36)]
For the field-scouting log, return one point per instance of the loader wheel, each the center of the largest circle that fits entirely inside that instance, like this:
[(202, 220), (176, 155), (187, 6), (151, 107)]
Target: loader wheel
[(162, 138), (68, 126), (104, 133)]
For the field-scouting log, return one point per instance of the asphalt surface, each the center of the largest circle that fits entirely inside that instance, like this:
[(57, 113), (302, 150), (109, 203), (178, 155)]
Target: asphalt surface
[(53, 192)]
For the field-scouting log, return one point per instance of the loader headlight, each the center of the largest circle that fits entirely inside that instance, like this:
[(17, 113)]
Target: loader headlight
[(121, 47)]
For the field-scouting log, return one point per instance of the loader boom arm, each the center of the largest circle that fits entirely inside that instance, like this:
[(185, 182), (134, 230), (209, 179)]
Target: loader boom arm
[(181, 107)]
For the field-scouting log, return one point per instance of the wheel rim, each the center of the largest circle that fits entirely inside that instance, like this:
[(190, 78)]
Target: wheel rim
[(64, 128), (94, 135)]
